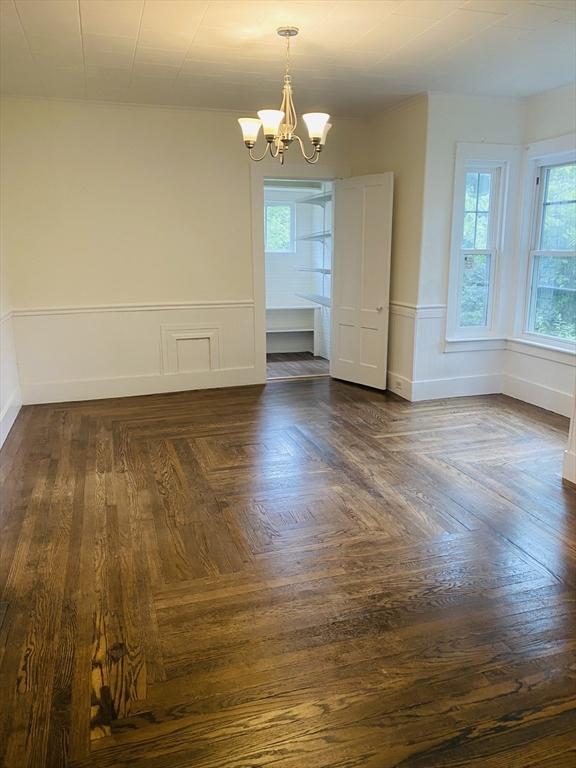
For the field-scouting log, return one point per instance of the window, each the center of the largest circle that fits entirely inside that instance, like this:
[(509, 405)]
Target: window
[(279, 227), (552, 306), (477, 247), (482, 242)]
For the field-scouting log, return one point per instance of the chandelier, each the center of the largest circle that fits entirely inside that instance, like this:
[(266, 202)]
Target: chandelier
[(279, 125)]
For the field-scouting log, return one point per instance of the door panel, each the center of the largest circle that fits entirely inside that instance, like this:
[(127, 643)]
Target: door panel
[(362, 240)]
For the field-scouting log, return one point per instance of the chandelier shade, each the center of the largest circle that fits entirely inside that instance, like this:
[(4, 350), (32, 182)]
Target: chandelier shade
[(279, 125), (316, 123), (271, 119), (250, 129)]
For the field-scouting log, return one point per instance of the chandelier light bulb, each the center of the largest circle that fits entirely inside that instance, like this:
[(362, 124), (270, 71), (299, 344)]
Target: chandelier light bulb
[(271, 119), (250, 129), (316, 123)]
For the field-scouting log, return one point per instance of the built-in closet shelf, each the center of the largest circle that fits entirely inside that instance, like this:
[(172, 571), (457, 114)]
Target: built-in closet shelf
[(321, 270), (291, 319), (321, 236), (318, 199), (316, 298)]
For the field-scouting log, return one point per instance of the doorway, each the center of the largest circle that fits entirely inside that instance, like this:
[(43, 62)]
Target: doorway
[(298, 242)]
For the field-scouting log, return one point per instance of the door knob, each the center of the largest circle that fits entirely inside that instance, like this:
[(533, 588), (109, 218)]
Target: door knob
[(380, 308)]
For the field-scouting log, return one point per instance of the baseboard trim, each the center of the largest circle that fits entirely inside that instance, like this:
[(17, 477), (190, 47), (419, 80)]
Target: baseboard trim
[(537, 394), (9, 414), (128, 386), (569, 470), (487, 384), (461, 386), (437, 389), (400, 385)]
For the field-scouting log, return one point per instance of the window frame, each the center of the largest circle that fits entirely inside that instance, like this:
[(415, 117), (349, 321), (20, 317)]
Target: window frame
[(285, 204), (536, 251), (503, 162), (539, 156), (492, 244)]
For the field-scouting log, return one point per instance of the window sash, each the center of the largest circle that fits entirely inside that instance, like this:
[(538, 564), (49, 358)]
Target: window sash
[(490, 256), (536, 251), (491, 251), (531, 314)]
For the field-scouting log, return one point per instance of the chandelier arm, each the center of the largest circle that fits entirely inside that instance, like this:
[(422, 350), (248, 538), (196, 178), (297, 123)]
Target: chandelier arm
[(312, 160), (272, 153), (262, 156), (314, 157)]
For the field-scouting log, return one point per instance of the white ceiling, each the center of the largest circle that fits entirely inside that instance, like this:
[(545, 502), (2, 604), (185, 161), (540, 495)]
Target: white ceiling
[(352, 57)]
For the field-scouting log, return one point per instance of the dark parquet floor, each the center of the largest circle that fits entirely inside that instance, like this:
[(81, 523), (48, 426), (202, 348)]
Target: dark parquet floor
[(307, 575), (282, 365)]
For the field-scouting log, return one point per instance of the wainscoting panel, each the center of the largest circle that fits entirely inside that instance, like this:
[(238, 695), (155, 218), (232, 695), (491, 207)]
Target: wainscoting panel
[(10, 396), (532, 376), (95, 352), (421, 367)]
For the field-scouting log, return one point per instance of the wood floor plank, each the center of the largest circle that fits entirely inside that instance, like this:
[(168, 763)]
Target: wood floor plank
[(310, 573)]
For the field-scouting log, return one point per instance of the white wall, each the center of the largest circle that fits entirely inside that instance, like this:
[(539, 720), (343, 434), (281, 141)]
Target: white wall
[(550, 114), (127, 237), (128, 242), (10, 397), (397, 142), (454, 118), (515, 369)]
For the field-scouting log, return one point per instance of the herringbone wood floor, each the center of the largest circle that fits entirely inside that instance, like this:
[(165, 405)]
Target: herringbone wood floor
[(301, 576)]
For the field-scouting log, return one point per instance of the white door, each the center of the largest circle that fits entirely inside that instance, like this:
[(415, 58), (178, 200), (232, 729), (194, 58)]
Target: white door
[(360, 292)]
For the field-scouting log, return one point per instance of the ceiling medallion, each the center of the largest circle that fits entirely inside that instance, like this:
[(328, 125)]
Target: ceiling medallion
[(279, 125)]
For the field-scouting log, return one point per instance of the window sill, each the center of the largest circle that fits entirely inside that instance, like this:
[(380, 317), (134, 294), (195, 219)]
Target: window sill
[(543, 350), (475, 344), (539, 349)]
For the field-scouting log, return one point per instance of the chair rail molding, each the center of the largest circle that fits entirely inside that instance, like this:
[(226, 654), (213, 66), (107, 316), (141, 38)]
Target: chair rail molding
[(418, 311), (150, 307)]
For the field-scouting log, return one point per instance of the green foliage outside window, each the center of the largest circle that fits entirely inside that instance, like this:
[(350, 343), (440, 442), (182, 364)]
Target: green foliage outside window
[(553, 311), (475, 285), (554, 284), (476, 210), (278, 226), (474, 292)]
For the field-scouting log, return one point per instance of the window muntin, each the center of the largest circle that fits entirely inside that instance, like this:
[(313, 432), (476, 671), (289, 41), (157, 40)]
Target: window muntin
[(552, 306), (478, 247), (279, 227)]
